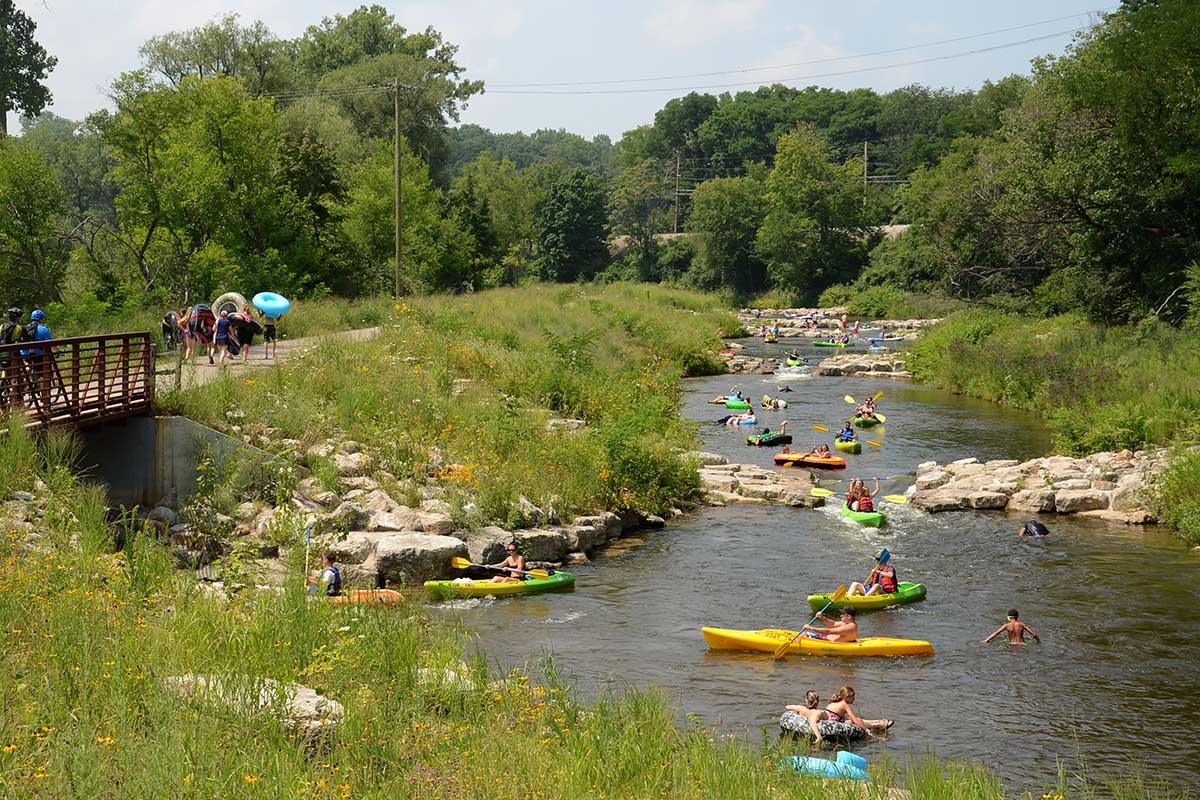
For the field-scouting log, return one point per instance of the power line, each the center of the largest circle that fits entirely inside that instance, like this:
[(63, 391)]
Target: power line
[(791, 79), (803, 63)]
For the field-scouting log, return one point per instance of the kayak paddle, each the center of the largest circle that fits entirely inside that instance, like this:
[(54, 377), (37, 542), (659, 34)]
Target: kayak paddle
[(898, 499), (878, 395), (881, 418), (821, 428), (462, 563), (850, 400), (817, 491), (838, 594), (884, 557), (874, 444)]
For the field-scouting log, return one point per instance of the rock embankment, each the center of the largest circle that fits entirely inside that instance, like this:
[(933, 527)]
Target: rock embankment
[(727, 483), (864, 365), (815, 323), (1112, 486)]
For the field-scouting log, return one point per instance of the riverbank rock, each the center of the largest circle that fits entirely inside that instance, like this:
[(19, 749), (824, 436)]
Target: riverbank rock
[(864, 365), (414, 558), (749, 483), (1114, 486), (303, 712), (815, 323)]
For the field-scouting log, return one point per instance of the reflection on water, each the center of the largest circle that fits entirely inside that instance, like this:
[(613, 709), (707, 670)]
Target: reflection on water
[(1116, 606)]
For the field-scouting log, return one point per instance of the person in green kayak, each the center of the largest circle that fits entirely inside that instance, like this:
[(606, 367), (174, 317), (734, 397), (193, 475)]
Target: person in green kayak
[(882, 580), (1015, 628), (858, 498), (844, 630), (514, 561), (847, 434)]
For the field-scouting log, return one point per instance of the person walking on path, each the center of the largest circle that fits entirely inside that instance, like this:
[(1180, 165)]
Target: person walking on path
[(38, 357), (10, 368)]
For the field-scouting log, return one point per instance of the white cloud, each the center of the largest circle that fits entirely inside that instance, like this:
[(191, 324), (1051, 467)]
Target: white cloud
[(686, 23), (803, 45)]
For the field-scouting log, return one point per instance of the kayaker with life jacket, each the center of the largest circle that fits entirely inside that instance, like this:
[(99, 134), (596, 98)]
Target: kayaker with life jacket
[(514, 561), (330, 581), (844, 629), (847, 433), (1033, 528), (859, 499), (881, 581)]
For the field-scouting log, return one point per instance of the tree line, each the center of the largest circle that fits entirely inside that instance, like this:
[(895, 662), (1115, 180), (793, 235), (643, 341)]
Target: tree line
[(234, 158)]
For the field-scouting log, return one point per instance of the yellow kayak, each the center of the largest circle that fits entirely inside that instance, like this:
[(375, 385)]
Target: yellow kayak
[(768, 640)]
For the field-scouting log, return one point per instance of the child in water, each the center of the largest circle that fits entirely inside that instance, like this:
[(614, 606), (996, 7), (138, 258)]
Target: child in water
[(1016, 630)]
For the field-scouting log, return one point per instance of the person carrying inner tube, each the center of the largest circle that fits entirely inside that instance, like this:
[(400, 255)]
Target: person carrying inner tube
[(882, 579)]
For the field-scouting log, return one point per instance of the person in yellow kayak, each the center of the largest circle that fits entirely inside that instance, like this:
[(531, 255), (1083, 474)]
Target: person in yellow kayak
[(844, 630), (847, 434), (881, 581), (514, 561)]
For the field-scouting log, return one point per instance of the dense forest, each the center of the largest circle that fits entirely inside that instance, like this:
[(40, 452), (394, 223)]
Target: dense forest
[(234, 158)]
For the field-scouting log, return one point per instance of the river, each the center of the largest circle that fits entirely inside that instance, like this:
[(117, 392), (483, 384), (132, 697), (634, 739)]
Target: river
[(1114, 683)]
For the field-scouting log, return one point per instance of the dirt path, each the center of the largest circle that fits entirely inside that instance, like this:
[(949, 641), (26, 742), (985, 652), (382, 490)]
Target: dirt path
[(200, 372)]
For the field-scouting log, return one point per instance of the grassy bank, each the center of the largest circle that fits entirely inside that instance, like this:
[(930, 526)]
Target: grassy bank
[(95, 618), (1100, 388), (463, 387)]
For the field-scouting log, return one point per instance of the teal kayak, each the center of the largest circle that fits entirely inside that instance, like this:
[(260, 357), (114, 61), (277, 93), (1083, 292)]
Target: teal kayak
[(906, 592), (872, 519)]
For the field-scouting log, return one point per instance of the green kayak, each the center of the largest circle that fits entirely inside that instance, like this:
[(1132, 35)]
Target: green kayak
[(872, 519), (866, 422), (907, 592), (737, 405), (795, 362), (848, 447), (833, 344), (448, 590)]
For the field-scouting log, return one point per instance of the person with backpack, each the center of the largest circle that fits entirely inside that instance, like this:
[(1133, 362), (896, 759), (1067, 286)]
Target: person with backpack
[(10, 376), (37, 331), (330, 581)]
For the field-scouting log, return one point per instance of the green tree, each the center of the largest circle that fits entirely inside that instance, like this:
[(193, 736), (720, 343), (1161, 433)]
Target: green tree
[(252, 53), (638, 209), (24, 64), (510, 199), (814, 233), (33, 251), (77, 151), (727, 213), (571, 225)]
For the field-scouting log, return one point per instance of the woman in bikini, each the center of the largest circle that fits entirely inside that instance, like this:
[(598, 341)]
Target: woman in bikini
[(839, 710), (810, 712)]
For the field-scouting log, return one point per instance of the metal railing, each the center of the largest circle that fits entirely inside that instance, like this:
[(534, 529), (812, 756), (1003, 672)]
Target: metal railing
[(84, 380)]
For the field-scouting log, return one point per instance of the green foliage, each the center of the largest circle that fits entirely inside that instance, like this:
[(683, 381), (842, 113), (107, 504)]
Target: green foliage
[(638, 209), (571, 225), (223, 47), (565, 149), (33, 259), (813, 233), (1177, 500), (1101, 388), (24, 64), (727, 213)]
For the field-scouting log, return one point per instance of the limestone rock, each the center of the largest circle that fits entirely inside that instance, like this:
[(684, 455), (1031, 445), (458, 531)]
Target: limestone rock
[(318, 452), (530, 513), (347, 516), (306, 713), (987, 500), (936, 502), (378, 500), (705, 459), (356, 548), (326, 499), (931, 480), (487, 545), (564, 425), (541, 545), (1039, 500), (360, 482), (1072, 500), (350, 464), (416, 557), (161, 514)]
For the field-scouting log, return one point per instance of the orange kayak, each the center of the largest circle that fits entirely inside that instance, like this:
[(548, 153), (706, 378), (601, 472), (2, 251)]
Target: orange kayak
[(786, 459)]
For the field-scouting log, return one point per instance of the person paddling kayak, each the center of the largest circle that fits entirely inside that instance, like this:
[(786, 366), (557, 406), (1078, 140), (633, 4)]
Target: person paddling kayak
[(847, 433), (882, 580), (514, 561), (858, 498), (845, 629)]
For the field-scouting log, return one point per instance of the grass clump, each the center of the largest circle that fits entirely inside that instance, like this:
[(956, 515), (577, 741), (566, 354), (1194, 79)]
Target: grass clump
[(1177, 501), (463, 388), (1101, 388)]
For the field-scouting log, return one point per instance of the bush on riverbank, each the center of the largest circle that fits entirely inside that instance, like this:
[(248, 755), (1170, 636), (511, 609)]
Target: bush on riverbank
[(1101, 388), (1178, 503), (96, 620), (464, 387)]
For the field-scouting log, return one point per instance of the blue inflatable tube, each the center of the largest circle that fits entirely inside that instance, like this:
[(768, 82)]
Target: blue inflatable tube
[(848, 765), (271, 304)]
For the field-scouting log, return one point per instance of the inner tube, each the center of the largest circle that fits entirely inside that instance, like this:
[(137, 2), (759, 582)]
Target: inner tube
[(230, 302), (848, 766), (271, 304), (768, 439), (796, 725)]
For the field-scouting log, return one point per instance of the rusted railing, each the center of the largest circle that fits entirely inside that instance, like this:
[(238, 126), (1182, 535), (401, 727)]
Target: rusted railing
[(84, 380)]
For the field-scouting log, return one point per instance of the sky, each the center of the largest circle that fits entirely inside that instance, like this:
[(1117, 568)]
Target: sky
[(748, 42)]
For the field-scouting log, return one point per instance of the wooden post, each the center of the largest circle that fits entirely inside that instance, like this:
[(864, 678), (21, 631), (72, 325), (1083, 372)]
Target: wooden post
[(399, 195), (864, 172), (677, 193)]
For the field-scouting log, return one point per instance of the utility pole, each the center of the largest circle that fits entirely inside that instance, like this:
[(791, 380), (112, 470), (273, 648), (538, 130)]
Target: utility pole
[(399, 194), (677, 193), (864, 172)]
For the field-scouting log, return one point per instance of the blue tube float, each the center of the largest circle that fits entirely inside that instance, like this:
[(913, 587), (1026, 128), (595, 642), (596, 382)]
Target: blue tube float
[(848, 765), (271, 304)]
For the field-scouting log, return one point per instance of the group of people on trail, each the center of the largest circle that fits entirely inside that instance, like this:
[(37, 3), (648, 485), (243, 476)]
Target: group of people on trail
[(838, 710), (229, 333), (21, 371)]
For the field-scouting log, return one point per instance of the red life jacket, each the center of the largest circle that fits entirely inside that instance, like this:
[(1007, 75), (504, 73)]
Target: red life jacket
[(865, 503), (886, 578)]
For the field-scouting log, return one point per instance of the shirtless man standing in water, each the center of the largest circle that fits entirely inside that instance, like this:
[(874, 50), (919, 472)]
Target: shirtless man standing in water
[(1016, 630)]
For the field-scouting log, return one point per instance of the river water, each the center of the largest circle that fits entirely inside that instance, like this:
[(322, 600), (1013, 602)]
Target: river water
[(1115, 682)]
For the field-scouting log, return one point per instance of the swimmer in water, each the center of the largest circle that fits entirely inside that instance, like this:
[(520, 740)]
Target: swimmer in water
[(1016, 630)]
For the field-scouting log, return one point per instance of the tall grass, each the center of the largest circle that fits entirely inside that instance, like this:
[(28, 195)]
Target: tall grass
[(463, 388), (1101, 388), (1177, 500)]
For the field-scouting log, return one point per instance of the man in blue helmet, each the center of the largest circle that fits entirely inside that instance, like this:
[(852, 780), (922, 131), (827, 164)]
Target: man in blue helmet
[(36, 331)]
